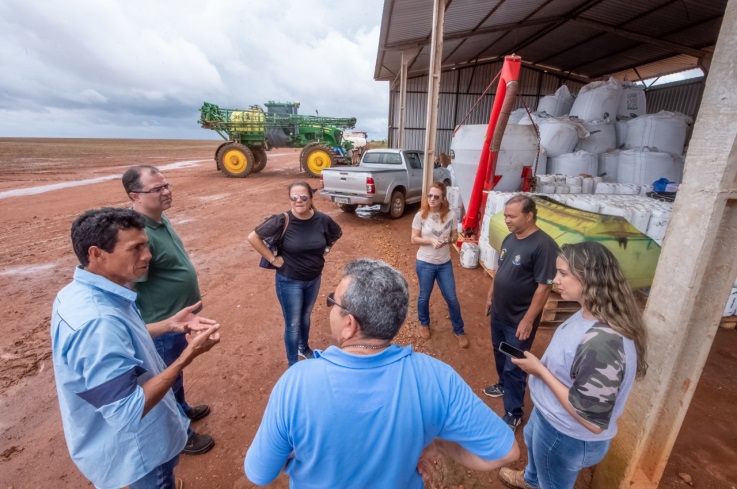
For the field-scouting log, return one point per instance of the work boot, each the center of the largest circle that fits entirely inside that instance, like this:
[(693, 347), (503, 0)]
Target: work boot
[(198, 444), (198, 412), (514, 478), (425, 332), (462, 340)]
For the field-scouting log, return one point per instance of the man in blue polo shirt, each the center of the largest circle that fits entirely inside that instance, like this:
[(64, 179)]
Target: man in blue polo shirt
[(121, 421), (367, 413)]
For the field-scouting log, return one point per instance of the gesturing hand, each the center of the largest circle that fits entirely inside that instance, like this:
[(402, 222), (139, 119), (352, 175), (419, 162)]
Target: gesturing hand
[(186, 321), (200, 342)]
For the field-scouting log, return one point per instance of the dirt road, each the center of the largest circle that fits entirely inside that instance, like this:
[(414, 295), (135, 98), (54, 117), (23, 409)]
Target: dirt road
[(213, 215)]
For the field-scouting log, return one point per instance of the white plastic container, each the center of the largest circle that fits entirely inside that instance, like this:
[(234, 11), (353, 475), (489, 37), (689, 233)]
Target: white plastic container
[(602, 137), (560, 136), (640, 217), (633, 102), (454, 197), (598, 101), (469, 255), (664, 131), (548, 188), (587, 185), (608, 166), (574, 189), (659, 219), (557, 104), (627, 189), (645, 167), (576, 163), (605, 188)]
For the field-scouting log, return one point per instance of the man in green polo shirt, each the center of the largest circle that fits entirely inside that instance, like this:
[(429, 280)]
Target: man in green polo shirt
[(171, 281)]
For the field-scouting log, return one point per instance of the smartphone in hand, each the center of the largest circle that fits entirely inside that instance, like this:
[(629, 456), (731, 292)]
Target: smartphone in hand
[(511, 351)]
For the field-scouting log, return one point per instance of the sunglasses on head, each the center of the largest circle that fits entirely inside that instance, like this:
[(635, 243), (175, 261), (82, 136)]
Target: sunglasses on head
[(295, 198)]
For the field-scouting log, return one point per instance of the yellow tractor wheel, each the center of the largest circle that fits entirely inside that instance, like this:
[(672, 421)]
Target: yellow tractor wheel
[(236, 160), (316, 158)]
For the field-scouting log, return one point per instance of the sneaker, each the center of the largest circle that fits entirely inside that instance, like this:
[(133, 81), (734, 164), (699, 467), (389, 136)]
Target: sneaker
[(514, 478), (462, 340), (512, 421), (495, 390), (306, 353), (425, 332), (198, 412), (198, 444)]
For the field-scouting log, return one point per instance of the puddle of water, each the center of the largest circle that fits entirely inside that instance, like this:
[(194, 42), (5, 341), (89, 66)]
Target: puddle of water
[(78, 183), (27, 269)]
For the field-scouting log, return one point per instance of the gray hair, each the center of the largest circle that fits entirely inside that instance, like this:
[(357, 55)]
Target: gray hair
[(377, 296)]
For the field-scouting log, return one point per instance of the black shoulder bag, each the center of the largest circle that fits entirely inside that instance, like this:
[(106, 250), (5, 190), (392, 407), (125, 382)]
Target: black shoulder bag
[(273, 245)]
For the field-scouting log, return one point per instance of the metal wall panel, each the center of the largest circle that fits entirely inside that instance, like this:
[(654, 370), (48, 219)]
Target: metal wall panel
[(684, 97)]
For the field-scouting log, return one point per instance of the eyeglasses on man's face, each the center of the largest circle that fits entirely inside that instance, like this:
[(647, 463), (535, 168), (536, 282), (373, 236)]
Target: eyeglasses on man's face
[(330, 300), (434, 196), (157, 190), (295, 198)]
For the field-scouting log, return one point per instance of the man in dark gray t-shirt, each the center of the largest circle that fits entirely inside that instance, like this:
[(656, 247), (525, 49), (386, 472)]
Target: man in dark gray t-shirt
[(517, 295)]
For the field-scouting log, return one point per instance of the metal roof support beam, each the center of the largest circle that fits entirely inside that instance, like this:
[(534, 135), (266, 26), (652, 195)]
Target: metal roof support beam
[(661, 43), (406, 57), (691, 285)]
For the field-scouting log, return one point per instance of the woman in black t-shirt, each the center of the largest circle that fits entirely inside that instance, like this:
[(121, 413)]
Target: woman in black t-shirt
[(304, 237)]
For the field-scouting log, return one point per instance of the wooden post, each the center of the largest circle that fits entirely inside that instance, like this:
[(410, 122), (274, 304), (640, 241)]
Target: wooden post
[(433, 89)]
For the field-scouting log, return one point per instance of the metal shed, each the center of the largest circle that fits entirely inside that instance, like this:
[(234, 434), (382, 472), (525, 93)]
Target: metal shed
[(570, 42)]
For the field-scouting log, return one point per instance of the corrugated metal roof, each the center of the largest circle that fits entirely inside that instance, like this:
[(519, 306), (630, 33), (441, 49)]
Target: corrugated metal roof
[(584, 39)]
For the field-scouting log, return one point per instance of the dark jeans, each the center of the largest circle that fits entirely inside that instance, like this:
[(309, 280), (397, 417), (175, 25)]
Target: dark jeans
[(427, 274), (511, 377), (297, 297), (162, 477), (170, 346)]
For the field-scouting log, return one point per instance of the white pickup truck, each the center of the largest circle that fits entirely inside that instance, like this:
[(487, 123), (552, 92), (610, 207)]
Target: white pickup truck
[(389, 177)]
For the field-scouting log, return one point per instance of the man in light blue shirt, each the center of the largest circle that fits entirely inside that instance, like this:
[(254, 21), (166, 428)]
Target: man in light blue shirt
[(121, 421), (368, 413)]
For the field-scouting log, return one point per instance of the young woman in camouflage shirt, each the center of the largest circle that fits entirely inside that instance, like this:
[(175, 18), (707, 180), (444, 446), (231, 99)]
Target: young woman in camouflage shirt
[(582, 382)]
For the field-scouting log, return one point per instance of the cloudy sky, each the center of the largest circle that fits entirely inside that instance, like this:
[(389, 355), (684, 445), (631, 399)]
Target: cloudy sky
[(141, 69)]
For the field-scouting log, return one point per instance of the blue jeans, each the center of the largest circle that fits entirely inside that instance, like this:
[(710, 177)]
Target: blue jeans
[(170, 346), (554, 459), (511, 377), (162, 477), (296, 298), (427, 274)]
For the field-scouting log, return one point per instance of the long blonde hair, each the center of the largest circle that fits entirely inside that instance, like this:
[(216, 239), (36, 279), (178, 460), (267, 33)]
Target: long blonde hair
[(444, 205), (606, 293)]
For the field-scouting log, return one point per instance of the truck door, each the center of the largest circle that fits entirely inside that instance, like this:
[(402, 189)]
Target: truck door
[(414, 172)]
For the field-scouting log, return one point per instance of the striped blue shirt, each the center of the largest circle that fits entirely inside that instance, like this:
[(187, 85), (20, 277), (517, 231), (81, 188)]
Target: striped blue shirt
[(103, 354)]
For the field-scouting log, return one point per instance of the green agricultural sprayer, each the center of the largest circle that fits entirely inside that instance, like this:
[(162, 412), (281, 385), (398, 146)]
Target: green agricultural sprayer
[(250, 133)]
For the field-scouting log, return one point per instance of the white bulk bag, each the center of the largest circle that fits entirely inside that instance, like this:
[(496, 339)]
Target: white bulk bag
[(632, 103), (560, 136), (576, 163), (665, 131), (643, 167), (557, 104), (517, 115), (620, 127), (608, 166), (598, 101), (602, 137)]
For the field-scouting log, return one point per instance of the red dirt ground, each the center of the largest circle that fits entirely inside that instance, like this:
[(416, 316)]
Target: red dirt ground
[(213, 215)]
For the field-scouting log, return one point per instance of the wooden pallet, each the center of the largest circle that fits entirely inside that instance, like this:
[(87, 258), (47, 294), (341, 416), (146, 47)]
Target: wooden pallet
[(557, 310), (730, 322)]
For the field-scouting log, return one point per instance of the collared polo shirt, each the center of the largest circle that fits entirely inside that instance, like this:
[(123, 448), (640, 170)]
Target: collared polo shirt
[(362, 421), (171, 282), (103, 354)]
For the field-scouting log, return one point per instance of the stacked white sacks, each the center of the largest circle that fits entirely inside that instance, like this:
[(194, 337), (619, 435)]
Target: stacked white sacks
[(469, 255)]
